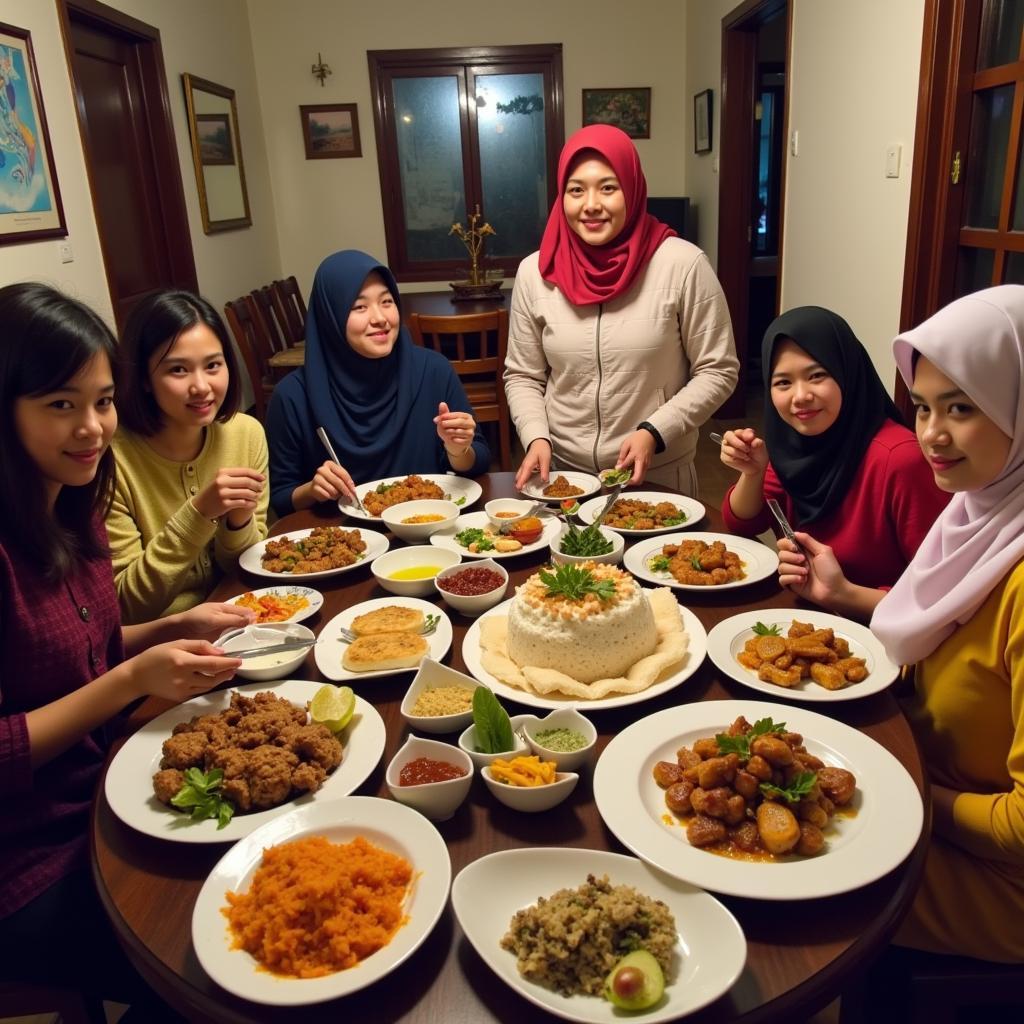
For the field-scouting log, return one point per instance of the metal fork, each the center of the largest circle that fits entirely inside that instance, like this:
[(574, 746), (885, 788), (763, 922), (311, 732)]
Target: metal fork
[(326, 442), (615, 491), (346, 636)]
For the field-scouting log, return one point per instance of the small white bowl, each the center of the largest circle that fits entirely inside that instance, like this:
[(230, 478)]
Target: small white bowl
[(473, 604), (434, 800), (612, 558), (267, 635), (407, 558), (413, 532), (467, 743), (517, 505), (562, 718), (433, 674), (531, 798)]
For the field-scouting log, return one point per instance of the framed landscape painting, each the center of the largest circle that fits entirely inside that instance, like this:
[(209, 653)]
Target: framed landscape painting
[(214, 135), (330, 130), (30, 206), (628, 109)]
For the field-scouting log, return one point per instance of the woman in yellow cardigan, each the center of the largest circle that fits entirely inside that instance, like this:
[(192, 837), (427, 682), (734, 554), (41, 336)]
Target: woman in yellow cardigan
[(957, 616), (191, 490)]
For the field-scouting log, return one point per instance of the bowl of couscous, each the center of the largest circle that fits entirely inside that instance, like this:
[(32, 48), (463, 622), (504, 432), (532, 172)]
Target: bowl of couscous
[(439, 699)]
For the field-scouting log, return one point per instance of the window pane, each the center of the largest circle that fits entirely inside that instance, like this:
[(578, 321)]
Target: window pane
[(513, 160), (1018, 199), (990, 132), (430, 155), (1001, 26), (1013, 268), (973, 270)]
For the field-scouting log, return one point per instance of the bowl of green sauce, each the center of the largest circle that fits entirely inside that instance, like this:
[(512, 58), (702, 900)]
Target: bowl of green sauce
[(564, 736)]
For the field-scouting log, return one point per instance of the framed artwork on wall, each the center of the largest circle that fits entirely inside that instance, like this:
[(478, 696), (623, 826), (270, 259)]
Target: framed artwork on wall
[(330, 130), (702, 122), (213, 132), (628, 109), (30, 206)]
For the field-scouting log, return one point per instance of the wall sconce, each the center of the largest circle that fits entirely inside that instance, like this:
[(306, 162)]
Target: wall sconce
[(321, 70)]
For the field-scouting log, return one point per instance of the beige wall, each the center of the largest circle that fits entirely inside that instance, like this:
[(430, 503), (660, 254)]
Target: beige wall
[(325, 205)]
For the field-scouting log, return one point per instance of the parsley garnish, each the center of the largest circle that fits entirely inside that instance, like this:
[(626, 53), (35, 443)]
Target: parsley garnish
[(200, 794), (659, 563), (695, 563), (741, 744), (484, 541), (762, 630), (800, 785), (574, 582)]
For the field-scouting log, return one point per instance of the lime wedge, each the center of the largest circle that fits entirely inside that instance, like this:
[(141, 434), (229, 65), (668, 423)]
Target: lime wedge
[(333, 706)]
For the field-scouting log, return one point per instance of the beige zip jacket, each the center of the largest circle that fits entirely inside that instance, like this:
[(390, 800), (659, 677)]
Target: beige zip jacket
[(586, 376)]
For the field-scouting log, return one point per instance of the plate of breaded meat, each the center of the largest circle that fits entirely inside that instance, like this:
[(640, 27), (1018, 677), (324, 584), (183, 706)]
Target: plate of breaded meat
[(310, 554)]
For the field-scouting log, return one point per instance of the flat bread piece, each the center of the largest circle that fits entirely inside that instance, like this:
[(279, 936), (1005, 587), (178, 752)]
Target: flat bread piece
[(384, 651), (392, 619)]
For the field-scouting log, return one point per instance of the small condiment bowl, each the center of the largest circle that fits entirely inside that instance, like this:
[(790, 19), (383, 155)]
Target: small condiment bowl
[(613, 557), (467, 743), (473, 604), (517, 505), (531, 798), (267, 635), (399, 559), (562, 718), (433, 674), (414, 532), (434, 800)]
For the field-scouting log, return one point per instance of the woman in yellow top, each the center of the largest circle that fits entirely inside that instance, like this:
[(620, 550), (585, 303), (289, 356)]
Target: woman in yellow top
[(957, 616), (191, 490)]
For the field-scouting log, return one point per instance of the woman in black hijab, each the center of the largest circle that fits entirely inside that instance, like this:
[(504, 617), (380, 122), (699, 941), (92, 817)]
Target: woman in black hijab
[(839, 460)]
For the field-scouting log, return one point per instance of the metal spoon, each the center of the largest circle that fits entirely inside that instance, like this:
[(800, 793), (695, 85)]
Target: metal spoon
[(599, 518)]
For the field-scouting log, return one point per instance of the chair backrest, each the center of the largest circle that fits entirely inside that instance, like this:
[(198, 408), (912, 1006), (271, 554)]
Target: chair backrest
[(291, 309), (272, 318), (250, 331)]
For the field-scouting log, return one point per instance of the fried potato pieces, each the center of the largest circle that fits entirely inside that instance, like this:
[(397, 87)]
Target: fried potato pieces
[(806, 653)]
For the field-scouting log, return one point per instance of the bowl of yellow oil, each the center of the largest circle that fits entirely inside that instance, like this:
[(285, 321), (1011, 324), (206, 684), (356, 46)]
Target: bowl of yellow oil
[(410, 571)]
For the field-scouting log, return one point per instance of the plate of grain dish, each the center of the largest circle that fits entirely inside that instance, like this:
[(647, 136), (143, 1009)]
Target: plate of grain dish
[(699, 561), (260, 739), (390, 638), (311, 554), (562, 484), (624, 644), (321, 901), (474, 536), (642, 513), (807, 656), (281, 604), (381, 494), (553, 923), (749, 762)]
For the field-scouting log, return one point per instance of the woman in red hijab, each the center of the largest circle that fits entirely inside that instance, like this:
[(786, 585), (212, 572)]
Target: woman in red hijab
[(620, 343)]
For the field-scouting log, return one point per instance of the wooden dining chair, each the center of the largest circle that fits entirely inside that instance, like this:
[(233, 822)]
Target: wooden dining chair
[(250, 330), (475, 345), (291, 309), (273, 319)]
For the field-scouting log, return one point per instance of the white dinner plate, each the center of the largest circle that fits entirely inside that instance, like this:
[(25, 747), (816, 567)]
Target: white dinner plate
[(693, 509), (389, 825), (588, 483), (330, 648), (759, 560), (314, 597), (250, 560), (709, 955), (726, 640), (696, 649), (860, 848), (446, 538), (129, 782), (460, 489)]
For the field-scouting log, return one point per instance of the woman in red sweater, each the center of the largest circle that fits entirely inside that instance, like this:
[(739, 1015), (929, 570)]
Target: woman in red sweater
[(849, 475)]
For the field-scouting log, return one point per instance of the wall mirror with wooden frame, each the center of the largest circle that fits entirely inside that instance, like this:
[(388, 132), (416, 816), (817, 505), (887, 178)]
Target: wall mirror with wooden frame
[(217, 154)]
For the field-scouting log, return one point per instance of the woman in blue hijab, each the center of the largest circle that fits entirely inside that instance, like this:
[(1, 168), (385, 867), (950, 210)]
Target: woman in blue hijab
[(390, 407)]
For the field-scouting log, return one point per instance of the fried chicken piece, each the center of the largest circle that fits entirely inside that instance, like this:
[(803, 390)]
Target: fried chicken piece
[(749, 659), (855, 669), (185, 750), (788, 677), (313, 742), (308, 777), (269, 774), (798, 629), (837, 784), (166, 783), (828, 676)]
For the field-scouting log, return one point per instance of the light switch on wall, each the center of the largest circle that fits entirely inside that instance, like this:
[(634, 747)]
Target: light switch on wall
[(892, 160), (794, 142), (67, 254)]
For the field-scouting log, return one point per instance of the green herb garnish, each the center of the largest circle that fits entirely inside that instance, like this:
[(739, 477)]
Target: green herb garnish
[(659, 563), (200, 794), (695, 563), (384, 488), (741, 744), (800, 785), (675, 520), (474, 535), (573, 582), (461, 501), (493, 727), (581, 543), (762, 630), (614, 477)]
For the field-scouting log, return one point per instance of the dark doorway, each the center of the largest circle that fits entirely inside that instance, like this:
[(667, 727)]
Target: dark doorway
[(117, 72), (755, 51)]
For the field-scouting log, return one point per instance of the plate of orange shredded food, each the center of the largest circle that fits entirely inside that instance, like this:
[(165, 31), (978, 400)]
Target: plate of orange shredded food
[(807, 656), (310, 554), (321, 902), (758, 800), (393, 490), (697, 561), (281, 604), (259, 738)]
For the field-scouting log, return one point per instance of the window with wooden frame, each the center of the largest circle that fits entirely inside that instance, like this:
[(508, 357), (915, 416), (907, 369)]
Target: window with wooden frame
[(461, 128)]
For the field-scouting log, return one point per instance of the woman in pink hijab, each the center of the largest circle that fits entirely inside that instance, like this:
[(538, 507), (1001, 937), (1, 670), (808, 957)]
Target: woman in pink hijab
[(620, 343), (957, 616)]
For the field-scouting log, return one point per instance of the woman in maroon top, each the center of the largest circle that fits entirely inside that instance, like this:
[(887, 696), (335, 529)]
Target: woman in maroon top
[(842, 465), (63, 667)]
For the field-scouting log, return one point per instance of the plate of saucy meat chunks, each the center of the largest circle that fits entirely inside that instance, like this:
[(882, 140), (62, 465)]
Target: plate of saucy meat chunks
[(804, 655), (758, 800), (310, 554), (641, 513), (378, 495), (701, 561)]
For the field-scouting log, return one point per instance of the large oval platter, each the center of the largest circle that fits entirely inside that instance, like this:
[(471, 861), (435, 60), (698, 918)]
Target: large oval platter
[(759, 560), (460, 489), (251, 559)]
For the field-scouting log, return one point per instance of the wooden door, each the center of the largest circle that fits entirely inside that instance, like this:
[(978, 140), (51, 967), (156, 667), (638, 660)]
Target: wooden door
[(132, 162)]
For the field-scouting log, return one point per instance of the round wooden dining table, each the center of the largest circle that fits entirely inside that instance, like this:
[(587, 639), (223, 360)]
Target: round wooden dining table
[(801, 954)]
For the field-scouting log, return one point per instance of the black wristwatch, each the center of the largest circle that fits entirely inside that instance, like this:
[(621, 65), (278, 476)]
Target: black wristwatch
[(659, 441)]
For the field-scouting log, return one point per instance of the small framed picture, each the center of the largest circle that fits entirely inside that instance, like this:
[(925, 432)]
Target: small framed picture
[(330, 130), (214, 135), (702, 122), (628, 109)]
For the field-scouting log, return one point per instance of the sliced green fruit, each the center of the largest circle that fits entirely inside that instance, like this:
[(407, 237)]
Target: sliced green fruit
[(333, 706), (636, 982)]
